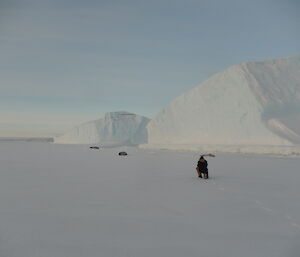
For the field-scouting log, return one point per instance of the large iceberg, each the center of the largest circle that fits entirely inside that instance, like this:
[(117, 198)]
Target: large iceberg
[(116, 128), (256, 103)]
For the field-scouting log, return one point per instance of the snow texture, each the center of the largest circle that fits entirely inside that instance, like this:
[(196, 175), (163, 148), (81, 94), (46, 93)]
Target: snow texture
[(276, 150), (116, 128), (254, 103), (70, 201)]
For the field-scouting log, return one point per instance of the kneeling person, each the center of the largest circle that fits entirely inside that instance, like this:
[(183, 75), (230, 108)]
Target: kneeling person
[(202, 168)]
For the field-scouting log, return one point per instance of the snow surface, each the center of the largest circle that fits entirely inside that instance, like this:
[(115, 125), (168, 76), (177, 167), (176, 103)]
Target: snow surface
[(116, 128), (70, 201), (276, 150), (248, 104)]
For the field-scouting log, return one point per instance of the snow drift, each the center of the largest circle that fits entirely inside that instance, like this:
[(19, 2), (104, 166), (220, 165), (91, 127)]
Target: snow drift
[(116, 128), (255, 103)]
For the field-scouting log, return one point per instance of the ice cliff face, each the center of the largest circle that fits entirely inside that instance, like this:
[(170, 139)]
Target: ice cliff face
[(116, 128), (254, 103)]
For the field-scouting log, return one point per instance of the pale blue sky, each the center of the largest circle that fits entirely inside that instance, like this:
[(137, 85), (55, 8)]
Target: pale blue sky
[(64, 62)]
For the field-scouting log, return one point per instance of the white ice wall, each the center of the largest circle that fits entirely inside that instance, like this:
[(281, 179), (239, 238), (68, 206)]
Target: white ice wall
[(115, 128), (235, 107)]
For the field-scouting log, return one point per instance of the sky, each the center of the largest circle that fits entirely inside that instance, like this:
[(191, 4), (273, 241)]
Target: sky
[(65, 62)]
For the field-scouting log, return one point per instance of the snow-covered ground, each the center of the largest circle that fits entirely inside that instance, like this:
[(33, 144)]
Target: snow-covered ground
[(70, 201)]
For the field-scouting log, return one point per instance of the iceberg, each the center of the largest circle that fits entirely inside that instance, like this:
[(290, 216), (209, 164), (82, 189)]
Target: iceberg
[(116, 128), (254, 103)]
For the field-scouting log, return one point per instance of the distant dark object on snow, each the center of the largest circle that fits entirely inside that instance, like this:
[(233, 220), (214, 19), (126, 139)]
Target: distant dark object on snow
[(211, 155), (123, 153), (94, 147)]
